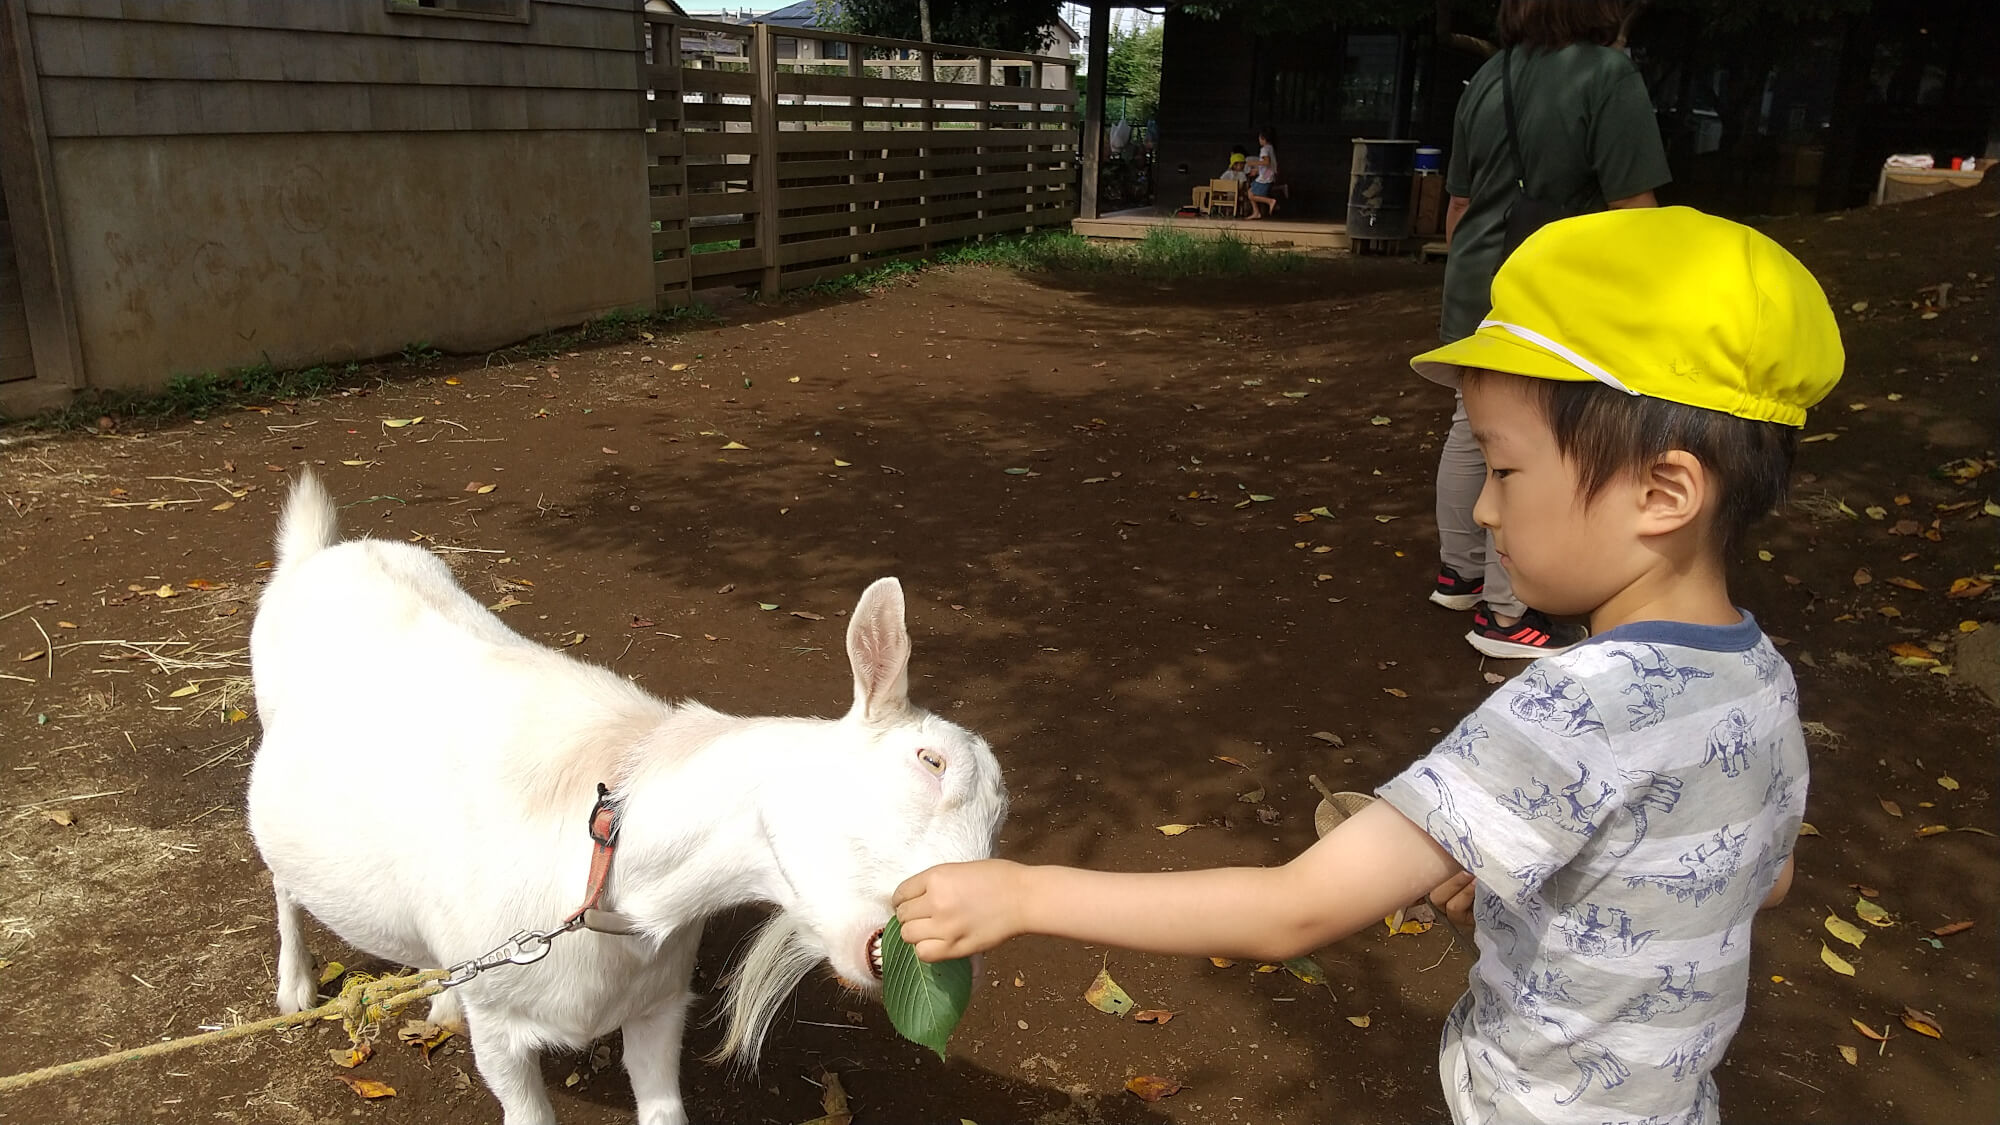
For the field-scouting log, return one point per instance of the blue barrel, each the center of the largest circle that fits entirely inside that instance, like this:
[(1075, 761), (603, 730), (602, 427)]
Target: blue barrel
[(1378, 196), (1430, 159)]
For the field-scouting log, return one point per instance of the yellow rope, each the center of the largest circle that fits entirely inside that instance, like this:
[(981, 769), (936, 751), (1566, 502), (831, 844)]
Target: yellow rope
[(363, 1002)]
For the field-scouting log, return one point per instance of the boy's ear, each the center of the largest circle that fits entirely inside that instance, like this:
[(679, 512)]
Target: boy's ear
[(1673, 492)]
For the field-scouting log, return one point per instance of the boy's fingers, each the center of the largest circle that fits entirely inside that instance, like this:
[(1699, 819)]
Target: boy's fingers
[(912, 887)]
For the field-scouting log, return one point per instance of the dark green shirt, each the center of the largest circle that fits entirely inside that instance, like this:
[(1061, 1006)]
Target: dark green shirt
[(1587, 135)]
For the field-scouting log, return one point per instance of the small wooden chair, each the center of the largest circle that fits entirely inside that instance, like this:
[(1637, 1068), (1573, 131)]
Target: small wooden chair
[(1224, 195)]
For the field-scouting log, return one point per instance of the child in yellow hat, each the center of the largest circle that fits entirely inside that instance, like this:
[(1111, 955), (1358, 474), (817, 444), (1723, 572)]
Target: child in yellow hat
[(1614, 817)]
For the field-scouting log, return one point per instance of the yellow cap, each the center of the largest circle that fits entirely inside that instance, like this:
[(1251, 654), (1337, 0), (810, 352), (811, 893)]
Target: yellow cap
[(1665, 302)]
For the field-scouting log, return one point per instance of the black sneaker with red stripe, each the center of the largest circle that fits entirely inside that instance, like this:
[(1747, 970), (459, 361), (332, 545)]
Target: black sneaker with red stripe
[(1455, 590), (1532, 637)]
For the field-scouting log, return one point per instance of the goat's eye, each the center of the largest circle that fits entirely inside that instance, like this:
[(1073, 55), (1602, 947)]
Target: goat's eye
[(932, 760)]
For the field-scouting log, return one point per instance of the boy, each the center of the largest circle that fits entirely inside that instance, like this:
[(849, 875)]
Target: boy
[(1617, 814)]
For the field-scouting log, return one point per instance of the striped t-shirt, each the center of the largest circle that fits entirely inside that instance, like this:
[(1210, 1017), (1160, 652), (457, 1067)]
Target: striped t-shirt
[(1624, 807)]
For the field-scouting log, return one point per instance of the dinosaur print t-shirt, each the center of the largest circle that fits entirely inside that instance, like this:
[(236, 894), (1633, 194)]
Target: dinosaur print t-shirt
[(1624, 807)]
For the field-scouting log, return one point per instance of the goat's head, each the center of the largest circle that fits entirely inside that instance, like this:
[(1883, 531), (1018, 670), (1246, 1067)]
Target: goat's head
[(905, 790)]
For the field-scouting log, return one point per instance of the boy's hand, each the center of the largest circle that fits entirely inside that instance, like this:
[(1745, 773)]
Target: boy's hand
[(1454, 897), (959, 909)]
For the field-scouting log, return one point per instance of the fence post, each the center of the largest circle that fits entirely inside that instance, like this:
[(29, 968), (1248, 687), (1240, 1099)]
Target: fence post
[(981, 106), (764, 121), (856, 69), (927, 72)]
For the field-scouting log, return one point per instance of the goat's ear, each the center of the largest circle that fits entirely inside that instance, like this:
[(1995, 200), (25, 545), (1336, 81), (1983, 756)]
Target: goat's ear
[(878, 647)]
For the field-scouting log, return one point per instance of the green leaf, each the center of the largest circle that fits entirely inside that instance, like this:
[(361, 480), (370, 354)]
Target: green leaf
[(924, 1000), (1308, 970)]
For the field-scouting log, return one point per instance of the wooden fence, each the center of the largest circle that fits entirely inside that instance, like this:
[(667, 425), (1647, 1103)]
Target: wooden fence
[(779, 173)]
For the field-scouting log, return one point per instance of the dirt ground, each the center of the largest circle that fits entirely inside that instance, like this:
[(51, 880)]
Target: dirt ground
[(1118, 618)]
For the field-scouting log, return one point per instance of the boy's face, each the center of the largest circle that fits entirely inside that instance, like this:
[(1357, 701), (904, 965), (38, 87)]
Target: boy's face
[(1565, 556)]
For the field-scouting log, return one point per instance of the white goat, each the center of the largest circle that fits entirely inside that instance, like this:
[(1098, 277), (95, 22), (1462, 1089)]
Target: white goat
[(427, 775)]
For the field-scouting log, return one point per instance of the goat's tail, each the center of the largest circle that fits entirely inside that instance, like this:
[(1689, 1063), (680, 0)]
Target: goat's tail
[(310, 521)]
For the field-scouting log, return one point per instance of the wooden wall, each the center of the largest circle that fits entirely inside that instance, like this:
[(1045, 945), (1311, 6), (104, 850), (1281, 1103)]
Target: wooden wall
[(299, 181)]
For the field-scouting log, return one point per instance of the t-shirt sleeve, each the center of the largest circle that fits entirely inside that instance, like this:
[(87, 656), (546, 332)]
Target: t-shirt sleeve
[(1520, 786), (1625, 148), (1458, 169)]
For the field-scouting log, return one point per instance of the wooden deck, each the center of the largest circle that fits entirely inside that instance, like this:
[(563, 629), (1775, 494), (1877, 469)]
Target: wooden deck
[(1263, 232)]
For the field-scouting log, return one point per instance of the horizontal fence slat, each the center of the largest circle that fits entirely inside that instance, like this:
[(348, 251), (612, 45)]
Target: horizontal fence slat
[(720, 232), (847, 86), (720, 144), (727, 261), (789, 198), (667, 208), (718, 81), (892, 165), (669, 272), (723, 203), (835, 140), (738, 31), (675, 238), (811, 112), (933, 235)]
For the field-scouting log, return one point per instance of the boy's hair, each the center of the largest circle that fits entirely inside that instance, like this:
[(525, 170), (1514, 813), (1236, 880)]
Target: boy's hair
[(1607, 433), (1548, 25)]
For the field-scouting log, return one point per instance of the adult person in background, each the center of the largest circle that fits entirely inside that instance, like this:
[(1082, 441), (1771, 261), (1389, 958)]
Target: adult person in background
[(1263, 189), (1584, 138)]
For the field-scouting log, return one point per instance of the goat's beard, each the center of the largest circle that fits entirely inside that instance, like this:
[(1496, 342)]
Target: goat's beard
[(779, 957)]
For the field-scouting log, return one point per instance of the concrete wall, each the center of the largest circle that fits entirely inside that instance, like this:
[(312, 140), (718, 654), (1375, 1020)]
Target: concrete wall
[(193, 254)]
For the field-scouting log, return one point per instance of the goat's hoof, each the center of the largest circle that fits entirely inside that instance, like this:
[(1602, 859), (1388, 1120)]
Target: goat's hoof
[(448, 1013), (297, 995)]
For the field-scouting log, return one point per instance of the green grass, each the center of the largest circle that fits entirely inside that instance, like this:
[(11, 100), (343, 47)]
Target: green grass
[(1166, 253), (199, 396), (712, 247)]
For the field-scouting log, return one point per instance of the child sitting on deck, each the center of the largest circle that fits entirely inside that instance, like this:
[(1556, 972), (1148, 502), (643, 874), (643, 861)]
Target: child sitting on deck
[(1615, 816)]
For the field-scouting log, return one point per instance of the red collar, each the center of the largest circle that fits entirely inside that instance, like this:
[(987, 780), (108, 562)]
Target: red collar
[(605, 817)]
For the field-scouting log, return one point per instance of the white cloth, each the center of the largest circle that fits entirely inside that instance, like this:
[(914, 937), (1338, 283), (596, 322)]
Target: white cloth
[(1267, 164), (1625, 807)]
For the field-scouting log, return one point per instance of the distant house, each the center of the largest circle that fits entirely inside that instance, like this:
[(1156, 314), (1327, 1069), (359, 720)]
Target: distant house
[(1062, 39)]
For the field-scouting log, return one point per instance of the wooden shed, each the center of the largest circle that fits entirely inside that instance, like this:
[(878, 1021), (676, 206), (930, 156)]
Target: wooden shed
[(193, 185)]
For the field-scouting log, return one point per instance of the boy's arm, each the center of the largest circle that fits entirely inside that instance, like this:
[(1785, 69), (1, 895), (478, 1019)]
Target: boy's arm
[(1367, 868)]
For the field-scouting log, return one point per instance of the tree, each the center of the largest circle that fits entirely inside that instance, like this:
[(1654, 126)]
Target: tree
[(1001, 25), (1132, 70)]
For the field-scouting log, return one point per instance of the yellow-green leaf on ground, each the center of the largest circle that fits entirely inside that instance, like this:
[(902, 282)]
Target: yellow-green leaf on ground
[(1845, 930), (1870, 913), (1948, 782), (331, 973), (1306, 969), (1923, 1023), (367, 1087), (1850, 1055), (1321, 512), (1833, 961), (1174, 829), (183, 692), (1150, 1088), (350, 1057), (1359, 1021), (1400, 925), (1252, 797), (1222, 962), (1933, 830), (735, 445), (1806, 829), (1105, 995), (397, 424)]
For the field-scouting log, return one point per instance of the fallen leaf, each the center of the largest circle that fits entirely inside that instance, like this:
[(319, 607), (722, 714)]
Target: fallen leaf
[(1877, 1036), (1912, 654), (572, 642), (1307, 970), (1951, 928), (1232, 761), (330, 972), (807, 615), (424, 1035), (1948, 782), (1018, 472), (1386, 519), (58, 816), (352, 1056), (235, 715), (1852, 1056), (1859, 306), (35, 655), (224, 506), (1493, 677), (1268, 967), (1968, 587), (1806, 829), (1923, 1023), (1818, 437), (1933, 830), (606, 449), (184, 692), (1226, 963), (839, 464), (735, 445), (767, 606), (1330, 738), (1399, 925), (1905, 583), (1149, 1088), (1261, 498), (1890, 807), (166, 592), (367, 1087), (1399, 693), (397, 424), (1863, 576), (1360, 1021), (1252, 797), (1152, 1015), (1175, 829), (1845, 930), (1297, 394), (1870, 913), (1833, 961), (1379, 420), (1765, 556), (507, 601), (678, 367), (1875, 511), (452, 381), (1105, 995)]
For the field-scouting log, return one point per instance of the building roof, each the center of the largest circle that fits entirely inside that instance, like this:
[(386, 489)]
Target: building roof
[(805, 13)]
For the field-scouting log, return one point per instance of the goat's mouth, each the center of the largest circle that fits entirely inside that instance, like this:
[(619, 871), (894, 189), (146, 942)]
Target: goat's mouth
[(875, 954)]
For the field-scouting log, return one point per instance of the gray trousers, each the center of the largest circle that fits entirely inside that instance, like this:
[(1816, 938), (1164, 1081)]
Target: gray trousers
[(1463, 545)]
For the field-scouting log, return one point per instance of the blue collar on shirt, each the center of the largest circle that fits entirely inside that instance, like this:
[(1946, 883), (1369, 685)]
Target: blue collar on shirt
[(1740, 637)]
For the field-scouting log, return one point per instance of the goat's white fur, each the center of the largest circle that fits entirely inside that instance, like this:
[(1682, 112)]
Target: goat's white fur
[(426, 774)]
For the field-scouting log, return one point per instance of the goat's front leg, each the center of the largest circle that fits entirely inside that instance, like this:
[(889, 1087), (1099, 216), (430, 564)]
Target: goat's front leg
[(298, 986), (653, 1041), (510, 1063)]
